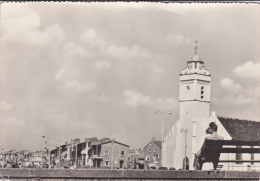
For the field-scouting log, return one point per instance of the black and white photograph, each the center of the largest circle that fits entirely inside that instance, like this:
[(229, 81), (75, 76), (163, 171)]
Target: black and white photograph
[(129, 91)]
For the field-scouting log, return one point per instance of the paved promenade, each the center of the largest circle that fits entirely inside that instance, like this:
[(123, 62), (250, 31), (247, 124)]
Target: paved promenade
[(133, 175)]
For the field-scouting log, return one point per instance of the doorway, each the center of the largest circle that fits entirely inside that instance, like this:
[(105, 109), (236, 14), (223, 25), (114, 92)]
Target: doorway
[(121, 163)]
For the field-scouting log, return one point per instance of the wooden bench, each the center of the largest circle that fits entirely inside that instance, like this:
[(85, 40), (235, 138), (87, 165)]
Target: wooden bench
[(211, 150)]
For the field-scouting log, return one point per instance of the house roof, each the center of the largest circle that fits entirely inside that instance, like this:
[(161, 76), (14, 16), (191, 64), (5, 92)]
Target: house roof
[(158, 143), (240, 129), (115, 142)]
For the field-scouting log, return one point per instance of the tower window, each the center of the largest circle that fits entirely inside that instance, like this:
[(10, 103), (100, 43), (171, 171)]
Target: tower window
[(202, 92), (188, 87)]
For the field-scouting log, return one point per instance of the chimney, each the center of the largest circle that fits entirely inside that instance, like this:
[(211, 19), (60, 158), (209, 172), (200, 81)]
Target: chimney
[(153, 139), (77, 141), (66, 142)]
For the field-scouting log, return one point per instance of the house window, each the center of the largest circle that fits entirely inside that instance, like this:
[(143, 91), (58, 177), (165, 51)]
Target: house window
[(122, 153), (150, 149), (147, 158), (106, 152), (106, 163), (154, 150), (156, 158)]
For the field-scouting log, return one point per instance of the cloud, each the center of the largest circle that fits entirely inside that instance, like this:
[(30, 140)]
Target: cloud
[(102, 65), (4, 106), (136, 99), (122, 52), (72, 49), (240, 96), (12, 121), (169, 103), (239, 100), (248, 70), (229, 85), (79, 87), (101, 98), (91, 39), (177, 39), (59, 74), (253, 92)]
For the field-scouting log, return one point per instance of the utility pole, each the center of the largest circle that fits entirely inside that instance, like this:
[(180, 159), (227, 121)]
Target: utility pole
[(185, 158), (163, 113), (2, 150), (112, 160), (76, 154)]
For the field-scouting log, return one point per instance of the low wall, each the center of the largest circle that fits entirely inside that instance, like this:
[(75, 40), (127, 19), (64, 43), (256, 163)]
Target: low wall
[(138, 175)]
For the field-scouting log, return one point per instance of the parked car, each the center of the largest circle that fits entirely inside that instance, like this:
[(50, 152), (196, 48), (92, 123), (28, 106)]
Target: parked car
[(163, 168)]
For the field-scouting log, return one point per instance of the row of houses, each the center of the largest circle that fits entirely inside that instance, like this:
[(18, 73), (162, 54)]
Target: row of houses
[(105, 153), (23, 158)]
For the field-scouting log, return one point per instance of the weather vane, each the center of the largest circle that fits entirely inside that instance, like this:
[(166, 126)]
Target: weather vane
[(196, 47)]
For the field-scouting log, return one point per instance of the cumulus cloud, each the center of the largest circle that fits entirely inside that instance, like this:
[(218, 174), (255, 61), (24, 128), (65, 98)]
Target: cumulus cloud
[(4, 106), (59, 74), (90, 38), (229, 85), (169, 103), (239, 100), (136, 99), (102, 65), (122, 52), (254, 92), (177, 39), (72, 49), (101, 98), (80, 87), (249, 69)]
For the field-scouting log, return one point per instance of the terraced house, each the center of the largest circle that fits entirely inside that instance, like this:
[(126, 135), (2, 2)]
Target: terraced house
[(152, 154)]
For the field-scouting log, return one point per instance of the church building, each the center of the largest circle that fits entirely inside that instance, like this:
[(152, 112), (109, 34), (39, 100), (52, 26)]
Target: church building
[(188, 133)]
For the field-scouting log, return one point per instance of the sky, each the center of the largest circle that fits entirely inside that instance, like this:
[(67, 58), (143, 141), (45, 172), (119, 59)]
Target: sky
[(78, 70)]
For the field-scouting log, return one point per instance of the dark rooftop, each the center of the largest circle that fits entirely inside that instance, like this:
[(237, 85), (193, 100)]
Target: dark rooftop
[(241, 129)]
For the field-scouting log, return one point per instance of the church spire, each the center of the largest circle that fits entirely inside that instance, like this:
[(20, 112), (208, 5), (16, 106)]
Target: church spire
[(196, 57)]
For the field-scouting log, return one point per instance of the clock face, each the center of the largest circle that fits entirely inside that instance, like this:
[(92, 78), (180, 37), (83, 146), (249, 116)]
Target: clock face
[(189, 66)]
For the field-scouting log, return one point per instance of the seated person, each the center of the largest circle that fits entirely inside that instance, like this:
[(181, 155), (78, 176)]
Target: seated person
[(200, 158)]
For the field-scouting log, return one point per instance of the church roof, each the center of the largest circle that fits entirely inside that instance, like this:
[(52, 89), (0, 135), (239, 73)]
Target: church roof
[(240, 129)]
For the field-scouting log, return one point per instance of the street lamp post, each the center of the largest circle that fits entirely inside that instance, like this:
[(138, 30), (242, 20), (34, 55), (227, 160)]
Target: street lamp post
[(48, 149), (185, 157), (2, 150), (163, 113), (112, 160)]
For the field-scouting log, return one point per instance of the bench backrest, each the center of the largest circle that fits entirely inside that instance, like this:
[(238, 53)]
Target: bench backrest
[(210, 150), (237, 142)]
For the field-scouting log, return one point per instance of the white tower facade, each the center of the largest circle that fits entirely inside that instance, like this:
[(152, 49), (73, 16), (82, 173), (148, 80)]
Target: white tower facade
[(188, 133)]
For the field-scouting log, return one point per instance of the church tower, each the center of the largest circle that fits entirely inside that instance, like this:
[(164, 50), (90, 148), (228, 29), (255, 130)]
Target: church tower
[(194, 97), (188, 133)]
